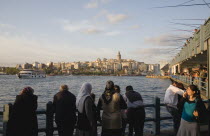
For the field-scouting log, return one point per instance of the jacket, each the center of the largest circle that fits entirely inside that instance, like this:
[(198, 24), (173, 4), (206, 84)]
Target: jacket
[(64, 103)]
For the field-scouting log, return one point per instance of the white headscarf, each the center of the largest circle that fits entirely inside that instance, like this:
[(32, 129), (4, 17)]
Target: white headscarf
[(82, 95)]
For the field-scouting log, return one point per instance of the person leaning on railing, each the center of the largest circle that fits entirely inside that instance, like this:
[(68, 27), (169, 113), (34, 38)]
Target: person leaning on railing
[(135, 111), (23, 119), (171, 101), (64, 103)]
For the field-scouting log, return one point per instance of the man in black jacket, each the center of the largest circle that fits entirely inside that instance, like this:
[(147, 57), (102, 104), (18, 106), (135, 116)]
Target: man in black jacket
[(65, 111)]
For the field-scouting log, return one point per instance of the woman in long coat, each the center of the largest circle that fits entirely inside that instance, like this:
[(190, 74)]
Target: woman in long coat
[(23, 119), (111, 103), (87, 123)]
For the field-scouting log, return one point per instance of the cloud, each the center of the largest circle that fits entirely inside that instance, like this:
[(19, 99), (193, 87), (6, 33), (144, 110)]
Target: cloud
[(166, 40), (92, 31), (135, 27), (7, 26), (112, 33), (92, 4), (116, 18), (96, 3), (154, 55), (84, 26), (20, 50)]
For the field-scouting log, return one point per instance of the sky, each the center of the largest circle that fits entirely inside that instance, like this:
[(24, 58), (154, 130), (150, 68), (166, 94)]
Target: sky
[(84, 30)]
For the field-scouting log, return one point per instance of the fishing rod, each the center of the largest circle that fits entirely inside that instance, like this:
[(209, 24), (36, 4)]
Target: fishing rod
[(183, 5)]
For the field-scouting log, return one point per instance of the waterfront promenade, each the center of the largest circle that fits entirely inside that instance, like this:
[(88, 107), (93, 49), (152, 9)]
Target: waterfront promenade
[(51, 129)]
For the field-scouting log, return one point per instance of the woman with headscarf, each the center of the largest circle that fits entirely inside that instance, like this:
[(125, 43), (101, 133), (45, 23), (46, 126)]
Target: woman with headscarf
[(111, 103), (23, 119), (86, 123)]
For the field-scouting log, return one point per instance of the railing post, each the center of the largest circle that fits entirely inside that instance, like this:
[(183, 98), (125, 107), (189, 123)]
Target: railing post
[(49, 119), (156, 125), (190, 80), (6, 115), (199, 83)]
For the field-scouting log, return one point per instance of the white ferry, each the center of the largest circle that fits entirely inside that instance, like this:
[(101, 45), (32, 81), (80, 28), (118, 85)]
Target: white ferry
[(28, 73)]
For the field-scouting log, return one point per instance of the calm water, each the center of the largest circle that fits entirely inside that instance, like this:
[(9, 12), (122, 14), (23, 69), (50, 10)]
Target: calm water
[(45, 88)]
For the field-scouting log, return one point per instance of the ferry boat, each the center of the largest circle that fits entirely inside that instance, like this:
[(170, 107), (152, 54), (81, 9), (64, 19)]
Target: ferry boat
[(28, 73)]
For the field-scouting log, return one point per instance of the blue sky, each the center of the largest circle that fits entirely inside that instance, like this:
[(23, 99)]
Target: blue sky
[(84, 30)]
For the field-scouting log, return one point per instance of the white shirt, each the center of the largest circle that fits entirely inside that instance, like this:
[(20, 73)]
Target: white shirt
[(171, 95)]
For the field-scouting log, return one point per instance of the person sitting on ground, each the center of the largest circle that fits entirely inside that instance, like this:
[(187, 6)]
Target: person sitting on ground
[(171, 101), (111, 103), (123, 112), (87, 121), (135, 112), (193, 111), (23, 119), (64, 103)]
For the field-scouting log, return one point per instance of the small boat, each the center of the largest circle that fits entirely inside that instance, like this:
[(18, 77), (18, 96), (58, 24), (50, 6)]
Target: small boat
[(1, 73), (29, 73)]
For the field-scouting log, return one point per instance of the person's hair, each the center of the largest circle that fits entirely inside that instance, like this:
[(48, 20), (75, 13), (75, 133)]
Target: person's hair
[(173, 81), (117, 88), (27, 90), (180, 86), (93, 96), (64, 88), (129, 88), (196, 90), (109, 85)]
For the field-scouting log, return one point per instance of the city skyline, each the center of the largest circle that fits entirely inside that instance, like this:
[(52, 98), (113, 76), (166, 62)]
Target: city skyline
[(70, 31)]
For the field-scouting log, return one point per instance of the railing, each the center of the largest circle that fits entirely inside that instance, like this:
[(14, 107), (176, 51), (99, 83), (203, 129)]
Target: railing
[(49, 129), (202, 85)]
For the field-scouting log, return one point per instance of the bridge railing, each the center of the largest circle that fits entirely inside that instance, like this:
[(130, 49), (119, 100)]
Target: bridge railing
[(202, 85), (50, 128)]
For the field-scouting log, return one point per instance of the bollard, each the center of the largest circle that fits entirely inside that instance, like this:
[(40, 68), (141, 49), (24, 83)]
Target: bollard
[(6, 115), (156, 125), (49, 119)]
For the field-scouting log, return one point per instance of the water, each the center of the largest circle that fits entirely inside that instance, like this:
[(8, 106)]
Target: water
[(46, 88)]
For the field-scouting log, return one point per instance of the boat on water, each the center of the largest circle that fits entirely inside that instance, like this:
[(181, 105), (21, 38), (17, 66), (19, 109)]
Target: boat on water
[(2, 73), (29, 73)]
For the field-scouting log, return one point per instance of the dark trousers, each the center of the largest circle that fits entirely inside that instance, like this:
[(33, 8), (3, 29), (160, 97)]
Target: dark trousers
[(176, 117), (124, 122), (136, 117), (65, 128), (111, 132)]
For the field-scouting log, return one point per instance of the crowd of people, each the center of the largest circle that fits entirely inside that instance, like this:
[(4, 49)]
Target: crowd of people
[(80, 112), (186, 108)]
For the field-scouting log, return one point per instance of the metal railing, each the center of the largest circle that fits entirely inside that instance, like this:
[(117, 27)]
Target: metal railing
[(202, 85), (50, 128)]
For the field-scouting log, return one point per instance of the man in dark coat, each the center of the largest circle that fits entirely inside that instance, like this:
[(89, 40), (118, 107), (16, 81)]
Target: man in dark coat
[(65, 111), (23, 119), (135, 112)]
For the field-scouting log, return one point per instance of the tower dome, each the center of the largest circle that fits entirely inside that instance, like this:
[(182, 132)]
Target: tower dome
[(119, 56)]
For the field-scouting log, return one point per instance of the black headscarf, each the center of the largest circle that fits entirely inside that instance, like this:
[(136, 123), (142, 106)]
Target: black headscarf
[(109, 91)]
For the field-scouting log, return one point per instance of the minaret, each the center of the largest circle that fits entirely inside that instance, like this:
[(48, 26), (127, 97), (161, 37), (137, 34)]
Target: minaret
[(119, 56)]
